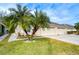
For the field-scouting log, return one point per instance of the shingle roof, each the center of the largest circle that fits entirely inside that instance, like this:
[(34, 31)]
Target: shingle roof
[(60, 26)]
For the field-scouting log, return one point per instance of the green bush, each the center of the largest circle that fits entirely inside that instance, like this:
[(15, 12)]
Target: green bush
[(72, 32)]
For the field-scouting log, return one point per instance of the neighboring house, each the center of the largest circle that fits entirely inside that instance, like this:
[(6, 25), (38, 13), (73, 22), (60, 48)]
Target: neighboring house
[(55, 29), (2, 30)]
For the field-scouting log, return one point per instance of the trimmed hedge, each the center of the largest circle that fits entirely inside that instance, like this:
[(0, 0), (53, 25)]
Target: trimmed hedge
[(72, 32)]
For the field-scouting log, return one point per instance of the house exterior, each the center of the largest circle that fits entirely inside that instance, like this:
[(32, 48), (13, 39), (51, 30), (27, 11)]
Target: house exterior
[(55, 29), (1, 30)]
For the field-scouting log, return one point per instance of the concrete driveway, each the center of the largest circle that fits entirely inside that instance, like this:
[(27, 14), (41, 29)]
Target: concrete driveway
[(74, 39)]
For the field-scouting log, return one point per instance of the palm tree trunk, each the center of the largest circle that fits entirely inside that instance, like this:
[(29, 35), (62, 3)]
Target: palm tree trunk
[(27, 34), (34, 31)]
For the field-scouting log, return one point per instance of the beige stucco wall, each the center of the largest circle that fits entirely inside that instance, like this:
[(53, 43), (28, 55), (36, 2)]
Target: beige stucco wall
[(19, 30), (52, 31), (43, 32)]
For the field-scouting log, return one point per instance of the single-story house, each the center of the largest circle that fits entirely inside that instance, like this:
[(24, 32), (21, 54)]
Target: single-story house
[(55, 29)]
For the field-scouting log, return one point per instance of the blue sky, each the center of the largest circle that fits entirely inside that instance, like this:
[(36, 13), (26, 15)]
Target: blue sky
[(58, 12)]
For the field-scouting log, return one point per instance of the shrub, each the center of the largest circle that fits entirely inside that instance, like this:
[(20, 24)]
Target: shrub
[(72, 32)]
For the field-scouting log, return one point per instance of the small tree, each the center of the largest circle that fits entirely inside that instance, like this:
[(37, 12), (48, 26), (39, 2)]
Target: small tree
[(77, 27), (22, 16), (39, 20)]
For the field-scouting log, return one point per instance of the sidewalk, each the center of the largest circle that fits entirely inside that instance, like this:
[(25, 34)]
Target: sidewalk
[(2, 37)]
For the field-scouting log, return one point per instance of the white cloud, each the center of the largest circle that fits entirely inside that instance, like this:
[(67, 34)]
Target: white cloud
[(61, 13)]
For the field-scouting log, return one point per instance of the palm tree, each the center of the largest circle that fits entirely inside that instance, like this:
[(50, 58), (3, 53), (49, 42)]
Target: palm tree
[(27, 20), (10, 23), (22, 16), (39, 20)]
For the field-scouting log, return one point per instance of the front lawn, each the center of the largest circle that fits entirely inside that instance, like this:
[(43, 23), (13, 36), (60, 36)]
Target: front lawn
[(40, 46)]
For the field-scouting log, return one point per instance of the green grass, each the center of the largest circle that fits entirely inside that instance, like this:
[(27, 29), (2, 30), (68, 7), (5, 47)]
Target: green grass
[(41, 46)]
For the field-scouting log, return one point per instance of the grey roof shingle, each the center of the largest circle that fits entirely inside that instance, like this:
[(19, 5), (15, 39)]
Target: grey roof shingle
[(60, 26)]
